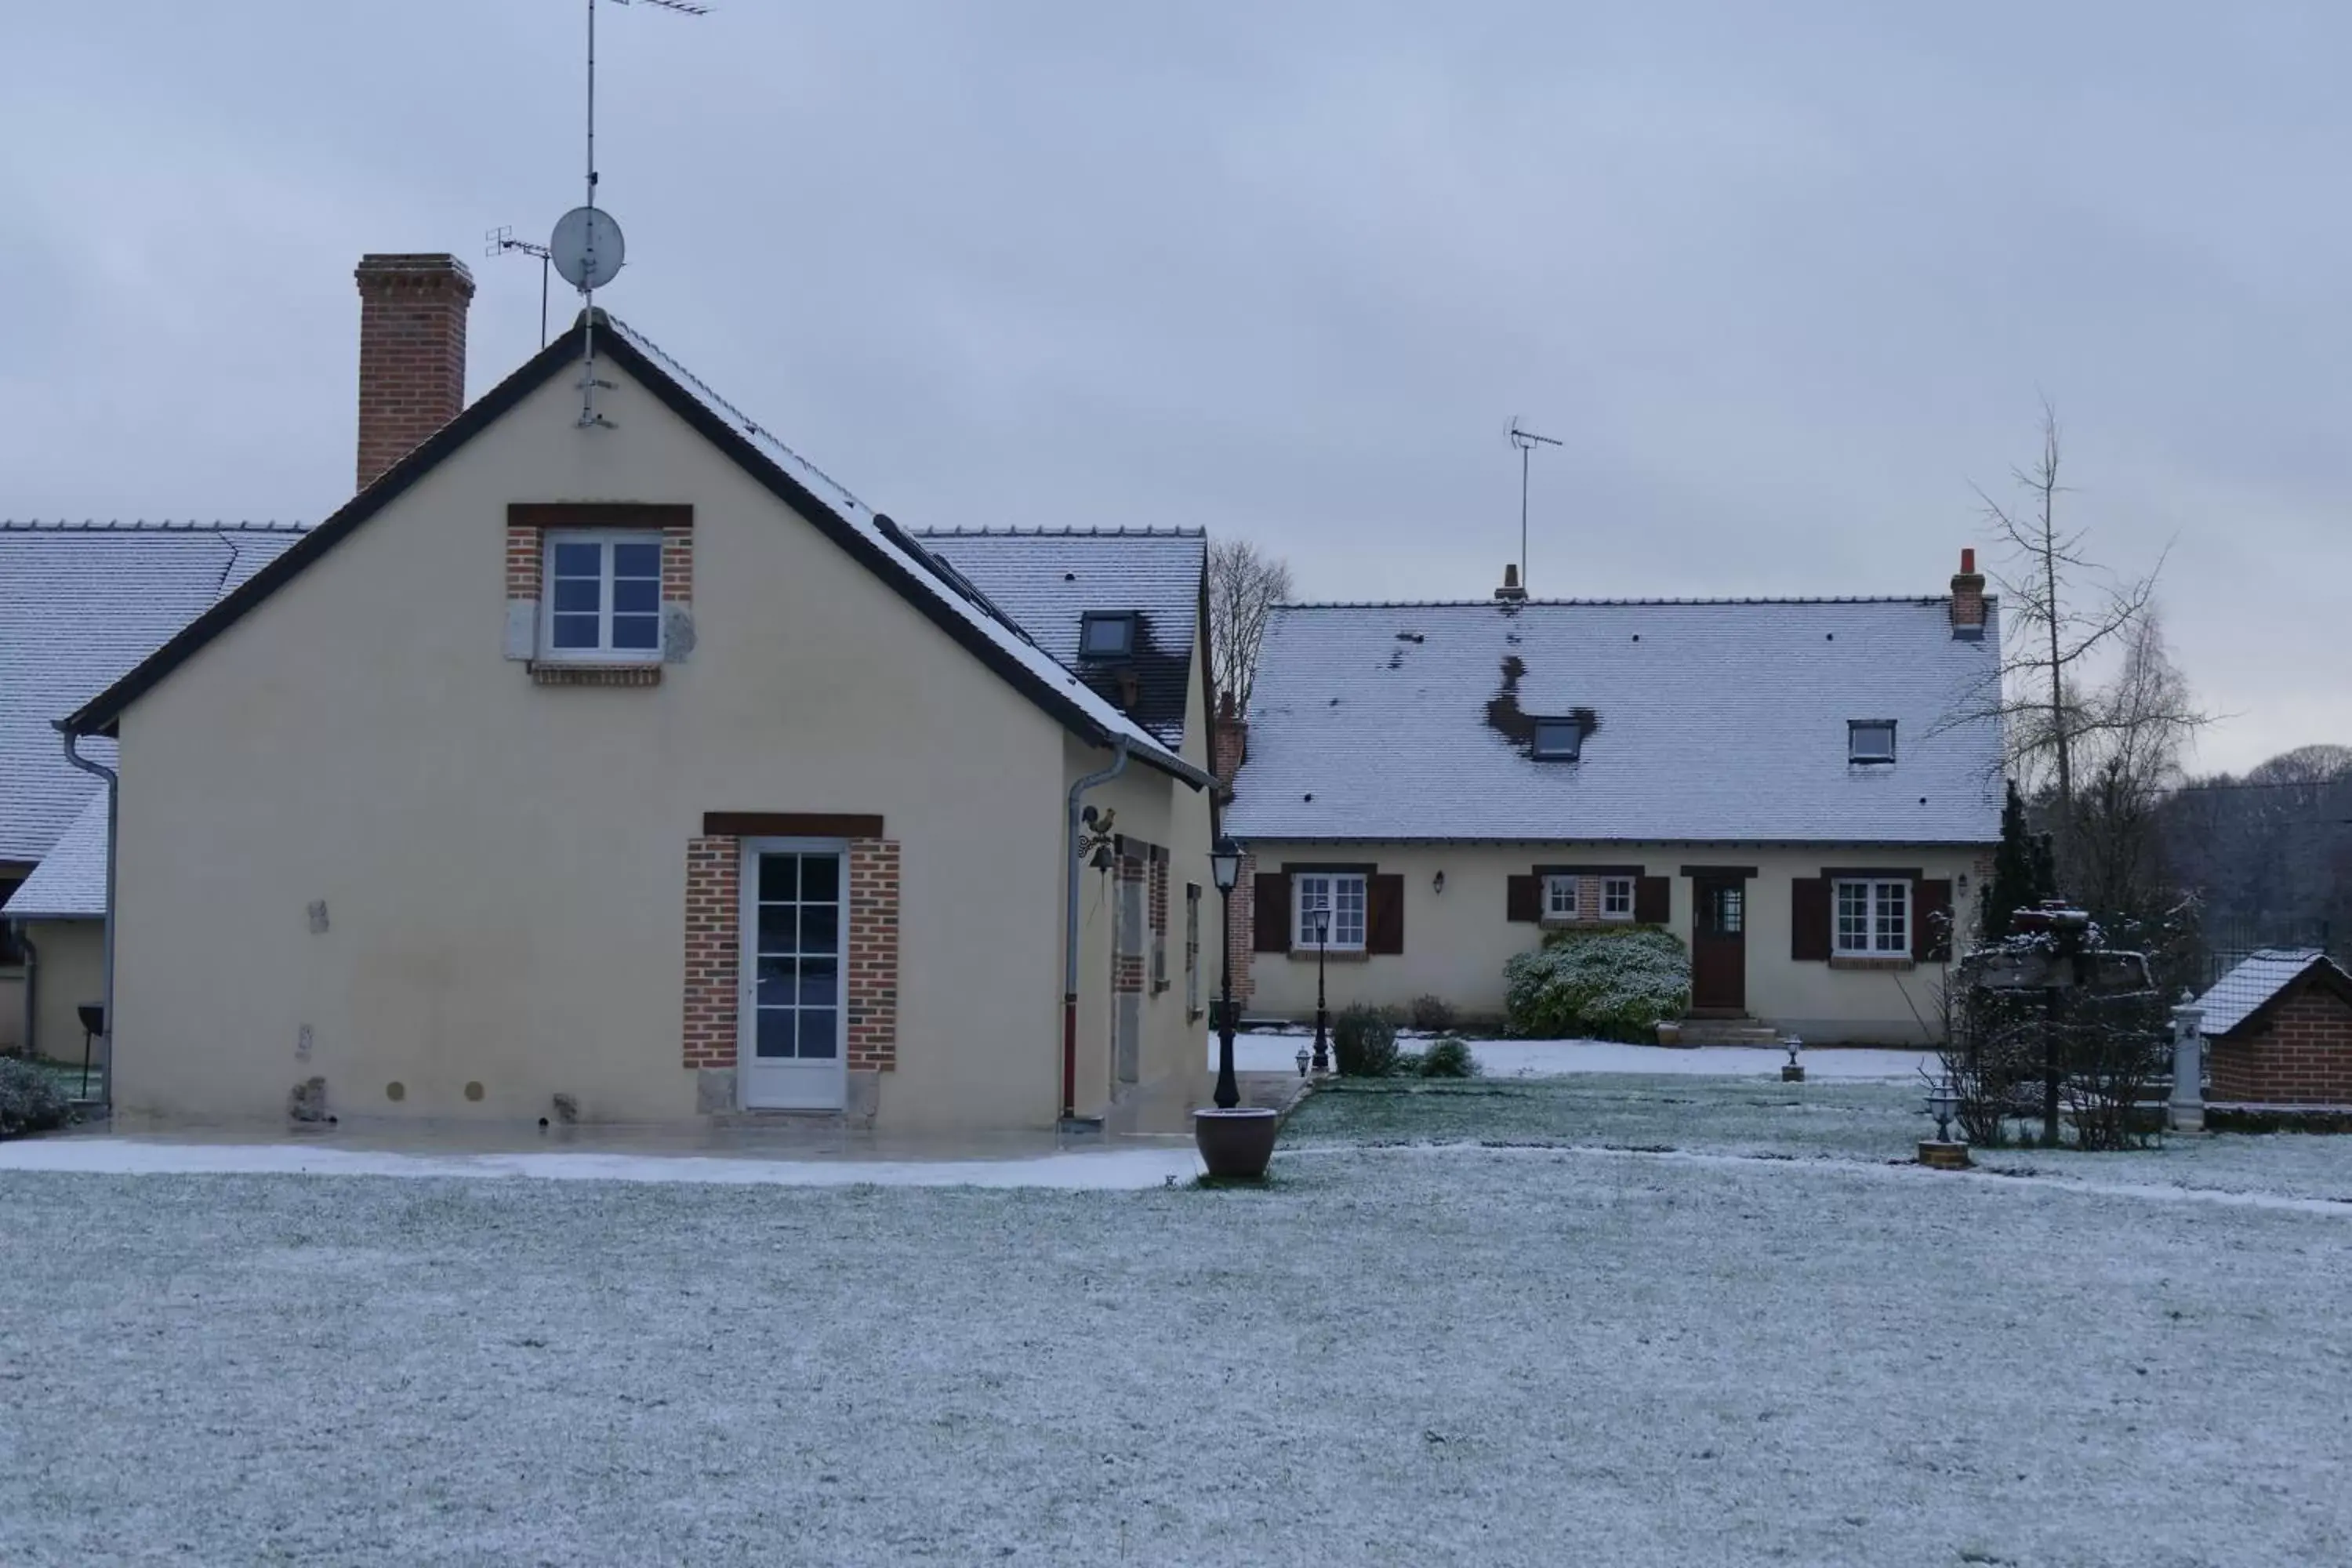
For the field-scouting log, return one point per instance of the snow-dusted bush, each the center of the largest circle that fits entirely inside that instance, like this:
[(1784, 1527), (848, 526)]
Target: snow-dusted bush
[(1363, 1042), (1432, 1015), (1603, 984), (30, 1100), (1448, 1059)]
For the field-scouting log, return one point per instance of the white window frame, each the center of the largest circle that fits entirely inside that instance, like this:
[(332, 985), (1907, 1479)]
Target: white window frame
[(604, 652), (1616, 898), (1886, 915), (1559, 898), (1308, 891)]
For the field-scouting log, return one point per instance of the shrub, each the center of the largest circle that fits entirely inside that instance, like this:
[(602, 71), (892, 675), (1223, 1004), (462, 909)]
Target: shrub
[(1363, 1042), (1448, 1057), (30, 1100), (1432, 1015), (1605, 985)]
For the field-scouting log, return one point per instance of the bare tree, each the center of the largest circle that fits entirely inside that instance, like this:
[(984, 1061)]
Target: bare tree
[(1244, 585), (2062, 609)]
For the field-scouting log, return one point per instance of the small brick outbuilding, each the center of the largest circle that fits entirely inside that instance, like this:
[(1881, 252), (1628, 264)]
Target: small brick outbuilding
[(2278, 1030)]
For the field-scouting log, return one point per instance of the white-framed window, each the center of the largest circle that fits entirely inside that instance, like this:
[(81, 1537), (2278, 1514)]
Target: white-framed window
[(1872, 918), (1616, 898), (1559, 898), (1342, 893), (1870, 740), (603, 598)]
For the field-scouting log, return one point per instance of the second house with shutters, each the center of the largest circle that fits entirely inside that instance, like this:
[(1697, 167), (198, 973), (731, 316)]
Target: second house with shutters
[(1798, 788)]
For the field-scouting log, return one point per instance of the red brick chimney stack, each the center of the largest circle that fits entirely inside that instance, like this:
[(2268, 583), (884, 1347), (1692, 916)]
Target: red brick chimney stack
[(1968, 598), (412, 353), (1229, 742)]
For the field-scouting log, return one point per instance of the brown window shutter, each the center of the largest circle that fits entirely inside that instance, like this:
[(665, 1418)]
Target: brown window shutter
[(1273, 913), (1809, 920), (1384, 913), (1523, 899), (1654, 900), (1931, 919)]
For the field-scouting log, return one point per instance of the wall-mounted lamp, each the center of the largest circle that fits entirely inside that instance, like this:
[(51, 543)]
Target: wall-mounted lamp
[(1437, 883), (1963, 884)]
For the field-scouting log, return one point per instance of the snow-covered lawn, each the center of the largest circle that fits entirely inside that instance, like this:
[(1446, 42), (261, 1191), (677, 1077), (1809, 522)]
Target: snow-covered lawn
[(1536, 1354), (1278, 1051)]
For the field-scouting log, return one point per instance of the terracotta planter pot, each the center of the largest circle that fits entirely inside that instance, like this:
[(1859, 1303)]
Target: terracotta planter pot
[(1237, 1142)]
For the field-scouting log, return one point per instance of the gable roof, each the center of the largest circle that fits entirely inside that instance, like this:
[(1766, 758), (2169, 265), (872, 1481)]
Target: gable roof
[(81, 603), (1705, 721), (1048, 579), (869, 537), (2249, 991), (70, 881)]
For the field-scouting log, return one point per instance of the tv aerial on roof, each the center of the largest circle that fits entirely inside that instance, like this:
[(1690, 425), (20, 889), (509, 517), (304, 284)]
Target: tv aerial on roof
[(586, 247), (1527, 441)]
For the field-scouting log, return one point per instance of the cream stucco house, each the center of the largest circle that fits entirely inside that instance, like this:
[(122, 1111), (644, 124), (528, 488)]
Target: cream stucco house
[(81, 603), (615, 763), (1791, 785)]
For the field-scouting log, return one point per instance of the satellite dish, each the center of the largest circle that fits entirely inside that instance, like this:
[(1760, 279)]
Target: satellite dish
[(586, 248)]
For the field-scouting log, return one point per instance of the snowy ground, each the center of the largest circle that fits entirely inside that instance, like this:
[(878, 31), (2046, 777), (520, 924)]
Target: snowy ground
[(1767, 1345), (1278, 1052)]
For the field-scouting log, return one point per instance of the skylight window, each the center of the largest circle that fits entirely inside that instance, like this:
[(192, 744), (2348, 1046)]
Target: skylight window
[(1107, 634), (1870, 740), (1557, 740)]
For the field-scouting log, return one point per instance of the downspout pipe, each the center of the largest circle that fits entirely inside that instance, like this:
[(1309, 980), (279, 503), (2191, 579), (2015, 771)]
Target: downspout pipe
[(1070, 926), (113, 799), (32, 985)]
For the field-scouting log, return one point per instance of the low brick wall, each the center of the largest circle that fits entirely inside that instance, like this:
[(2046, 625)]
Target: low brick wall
[(2300, 1055)]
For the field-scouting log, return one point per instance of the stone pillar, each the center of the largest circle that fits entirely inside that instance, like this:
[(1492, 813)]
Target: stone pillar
[(2188, 1069)]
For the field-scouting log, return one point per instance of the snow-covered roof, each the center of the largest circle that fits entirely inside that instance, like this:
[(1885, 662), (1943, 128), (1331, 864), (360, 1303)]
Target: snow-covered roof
[(1048, 579), (2245, 990), (80, 605), (70, 881), (943, 584), (1703, 720)]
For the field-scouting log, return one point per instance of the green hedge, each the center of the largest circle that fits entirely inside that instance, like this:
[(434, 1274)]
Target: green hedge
[(30, 1100), (1612, 985)]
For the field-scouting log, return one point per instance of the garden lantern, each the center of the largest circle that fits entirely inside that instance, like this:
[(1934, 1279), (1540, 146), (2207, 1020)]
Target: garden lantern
[(1794, 1070), (1303, 1060), (1942, 1101), (1225, 870), (1322, 916)]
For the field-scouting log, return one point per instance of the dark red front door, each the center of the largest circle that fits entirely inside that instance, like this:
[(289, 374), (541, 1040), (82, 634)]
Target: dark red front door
[(1718, 944)]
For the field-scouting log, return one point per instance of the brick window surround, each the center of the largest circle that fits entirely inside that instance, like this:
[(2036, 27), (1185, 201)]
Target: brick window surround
[(714, 938), (527, 525)]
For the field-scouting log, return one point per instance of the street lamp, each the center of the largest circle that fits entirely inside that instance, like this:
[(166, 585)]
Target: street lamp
[(1225, 870), (1322, 913)]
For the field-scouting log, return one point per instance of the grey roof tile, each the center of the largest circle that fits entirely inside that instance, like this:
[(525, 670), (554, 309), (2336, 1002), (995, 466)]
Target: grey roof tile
[(1047, 579), (70, 881), (1711, 721), (2237, 994), (81, 603)]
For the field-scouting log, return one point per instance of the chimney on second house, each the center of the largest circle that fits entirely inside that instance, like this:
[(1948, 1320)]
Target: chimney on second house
[(1229, 742), (1511, 588), (1968, 598), (412, 353)]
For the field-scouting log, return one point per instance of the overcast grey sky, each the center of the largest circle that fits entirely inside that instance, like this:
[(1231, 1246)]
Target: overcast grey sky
[(1785, 278)]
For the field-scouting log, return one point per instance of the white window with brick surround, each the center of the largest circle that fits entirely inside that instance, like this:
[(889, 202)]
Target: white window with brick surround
[(1873, 918), (1342, 893), (1559, 898), (603, 598), (1616, 898)]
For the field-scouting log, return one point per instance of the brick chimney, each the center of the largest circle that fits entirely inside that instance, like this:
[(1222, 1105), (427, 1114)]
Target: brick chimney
[(412, 353), (1968, 598), (1229, 742), (1511, 588)]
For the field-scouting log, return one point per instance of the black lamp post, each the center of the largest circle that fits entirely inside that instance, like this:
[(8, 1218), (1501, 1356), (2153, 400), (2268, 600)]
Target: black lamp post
[(1225, 870), (1322, 913)]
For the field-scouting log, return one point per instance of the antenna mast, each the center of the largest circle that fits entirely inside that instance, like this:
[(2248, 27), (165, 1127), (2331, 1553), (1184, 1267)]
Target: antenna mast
[(500, 240), (1527, 441)]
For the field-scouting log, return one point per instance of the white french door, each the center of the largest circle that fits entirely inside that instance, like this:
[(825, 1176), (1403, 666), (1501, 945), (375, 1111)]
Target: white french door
[(793, 1013)]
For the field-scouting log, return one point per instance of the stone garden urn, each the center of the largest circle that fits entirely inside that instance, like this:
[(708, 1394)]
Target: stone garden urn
[(1237, 1142)]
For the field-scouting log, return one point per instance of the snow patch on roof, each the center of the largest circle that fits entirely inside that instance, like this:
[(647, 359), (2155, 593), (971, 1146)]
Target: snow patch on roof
[(70, 881)]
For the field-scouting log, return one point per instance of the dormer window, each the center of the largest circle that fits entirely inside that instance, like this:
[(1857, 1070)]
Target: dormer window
[(1557, 740), (1107, 634), (1870, 740)]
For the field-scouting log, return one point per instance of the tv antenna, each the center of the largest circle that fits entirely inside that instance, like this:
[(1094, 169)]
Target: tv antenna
[(586, 247), (1527, 441), (500, 240)]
